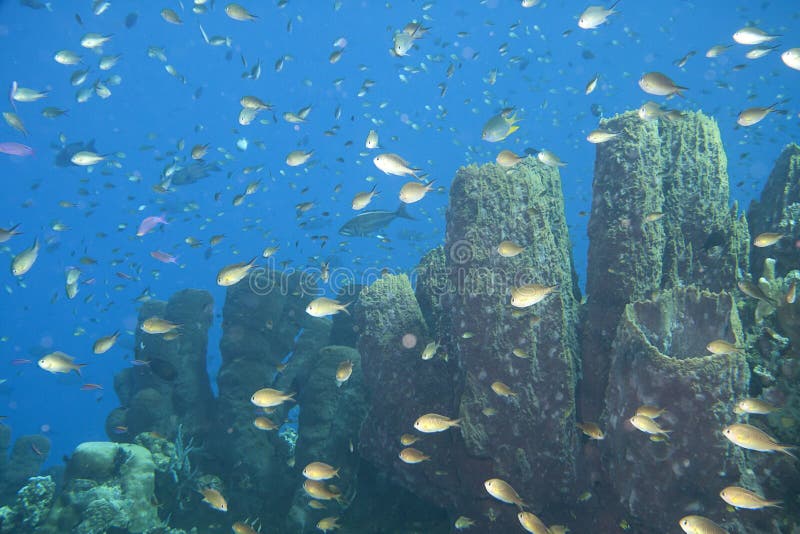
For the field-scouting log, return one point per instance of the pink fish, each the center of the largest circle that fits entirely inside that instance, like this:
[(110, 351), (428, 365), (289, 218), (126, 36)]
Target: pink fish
[(149, 223), (164, 257), (15, 149), (91, 387)]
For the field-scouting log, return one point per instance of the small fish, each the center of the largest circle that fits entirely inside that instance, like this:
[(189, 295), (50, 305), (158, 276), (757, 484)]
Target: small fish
[(752, 36), (239, 13), (23, 262), (594, 16), (429, 351), (328, 523), (343, 372), (655, 83), (463, 522), (267, 398), (157, 325), (754, 406), (528, 295), (85, 158), (502, 389), (393, 164), (590, 87), (744, 498), (600, 136), (298, 157), (653, 412), (91, 387), (323, 307), (15, 149), (234, 273), (549, 158), (412, 192), (170, 16), (767, 239), (509, 249), (214, 499), (499, 127), (653, 216), (264, 423), (591, 430), (502, 491), (532, 523), (319, 471), (411, 455), (647, 425), (696, 524), (58, 362), (507, 159), (164, 257), (372, 140), (754, 439), (720, 346), (149, 223), (104, 344), (791, 58), (791, 293), (362, 200), (432, 422)]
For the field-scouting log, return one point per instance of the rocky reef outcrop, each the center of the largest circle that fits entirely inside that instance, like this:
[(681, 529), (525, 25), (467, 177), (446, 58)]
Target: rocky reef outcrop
[(107, 485), (660, 219), (659, 359), (170, 384), (778, 211), (508, 375)]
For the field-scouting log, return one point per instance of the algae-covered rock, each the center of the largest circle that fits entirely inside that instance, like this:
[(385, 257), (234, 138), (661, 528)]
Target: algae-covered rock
[(107, 485), (524, 205), (659, 358), (660, 219), (778, 210), (171, 384), (330, 420), (26, 458), (30, 508), (264, 322)]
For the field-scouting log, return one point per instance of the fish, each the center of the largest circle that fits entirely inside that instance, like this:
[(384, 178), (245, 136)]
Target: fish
[(234, 273), (15, 149), (328, 523), (720, 346), (411, 455), (697, 524), (370, 222), (239, 13), (104, 344), (591, 430), (658, 84), (750, 35), (652, 412), (296, 158), (362, 200), (549, 159), (594, 16), (58, 362), (164, 257), (86, 158), (408, 439), (648, 426), (372, 140), (530, 294), (432, 422), (157, 325), (23, 262), (412, 192), (343, 372), (429, 351), (464, 522), (744, 498), (590, 87), (499, 127), (149, 223), (64, 156), (267, 398), (394, 165), (767, 239), (502, 491), (532, 523), (170, 16), (502, 389), (214, 499), (791, 58), (320, 490), (754, 115), (8, 233), (600, 136), (320, 471), (755, 439), (509, 249), (13, 120), (507, 159), (323, 307), (754, 407)]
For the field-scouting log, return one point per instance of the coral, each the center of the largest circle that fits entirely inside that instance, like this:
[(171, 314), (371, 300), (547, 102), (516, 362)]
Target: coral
[(463, 291), (31, 507), (659, 359), (106, 485), (26, 458), (778, 210), (660, 219)]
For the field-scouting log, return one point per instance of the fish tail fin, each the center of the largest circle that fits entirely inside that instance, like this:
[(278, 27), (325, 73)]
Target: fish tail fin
[(402, 213), (456, 422), (78, 367), (429, 184), (615, 4), (512, 129), (786, 449), (290, 396)]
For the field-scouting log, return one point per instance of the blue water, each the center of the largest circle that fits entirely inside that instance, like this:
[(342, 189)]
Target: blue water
[(436, 133)]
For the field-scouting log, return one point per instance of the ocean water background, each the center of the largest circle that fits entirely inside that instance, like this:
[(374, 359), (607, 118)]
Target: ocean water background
[(435, 132)]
